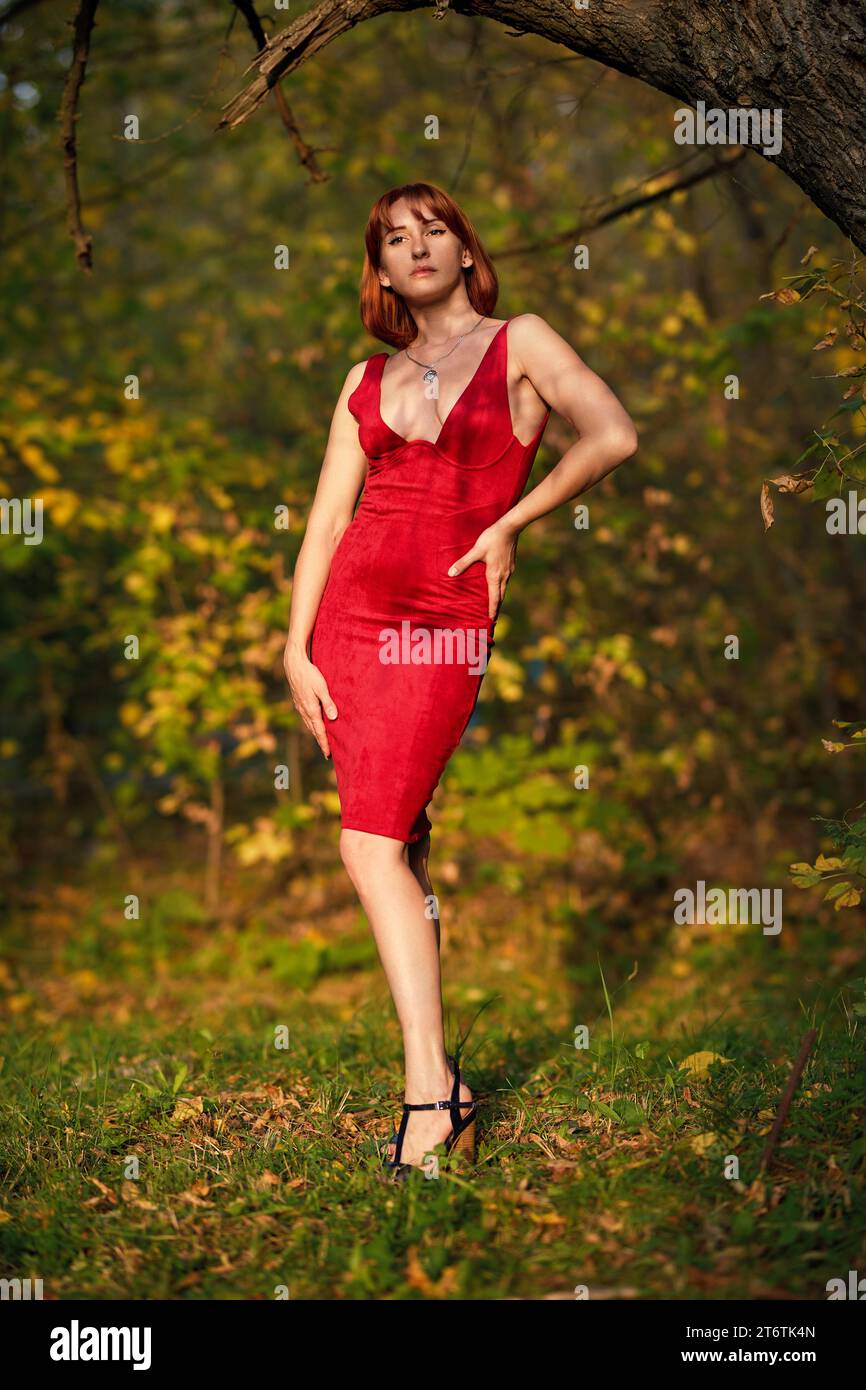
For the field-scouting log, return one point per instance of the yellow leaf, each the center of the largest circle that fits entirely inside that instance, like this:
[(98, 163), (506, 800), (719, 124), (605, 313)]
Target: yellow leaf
[(849, 899), (698, 1063), (61, 504), (822, 863), (162, 516), (187, 1109), (701, 1142), (37, 462)]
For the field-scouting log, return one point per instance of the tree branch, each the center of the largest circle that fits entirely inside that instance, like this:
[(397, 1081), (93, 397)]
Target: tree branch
[(306, 153), (18, 7), (100, 196), (802, 58), (83, 25), (664, 187)]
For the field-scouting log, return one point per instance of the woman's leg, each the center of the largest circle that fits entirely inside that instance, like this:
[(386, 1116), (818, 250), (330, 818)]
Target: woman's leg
[(407, 940), (417, 856)]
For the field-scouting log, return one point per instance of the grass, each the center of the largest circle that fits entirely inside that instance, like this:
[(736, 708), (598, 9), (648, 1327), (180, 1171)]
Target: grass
[(195, 1110)]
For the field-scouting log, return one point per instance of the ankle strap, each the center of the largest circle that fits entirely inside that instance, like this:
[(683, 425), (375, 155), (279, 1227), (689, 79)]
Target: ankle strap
[(438, 1104)]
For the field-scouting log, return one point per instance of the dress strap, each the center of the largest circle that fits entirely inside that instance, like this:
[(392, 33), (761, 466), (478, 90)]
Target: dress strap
[(359, 400), (362, 404)]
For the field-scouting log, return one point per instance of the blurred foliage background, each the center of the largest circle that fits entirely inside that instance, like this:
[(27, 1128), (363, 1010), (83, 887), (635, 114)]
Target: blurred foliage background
[(163, 513), (145, 713)]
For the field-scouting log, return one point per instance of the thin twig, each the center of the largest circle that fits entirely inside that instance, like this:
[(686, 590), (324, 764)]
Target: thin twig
[(306, 154), (785, 1103), (83, 28), (631, 204)]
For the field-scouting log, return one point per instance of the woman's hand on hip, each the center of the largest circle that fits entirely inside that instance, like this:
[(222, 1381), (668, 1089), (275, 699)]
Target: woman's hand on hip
[(497, 547)]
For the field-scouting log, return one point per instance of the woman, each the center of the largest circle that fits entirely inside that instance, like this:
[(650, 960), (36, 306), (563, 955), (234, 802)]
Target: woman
[(398, 605)]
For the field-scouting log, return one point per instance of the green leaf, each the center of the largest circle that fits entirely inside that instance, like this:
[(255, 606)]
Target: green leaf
[(835, 890)]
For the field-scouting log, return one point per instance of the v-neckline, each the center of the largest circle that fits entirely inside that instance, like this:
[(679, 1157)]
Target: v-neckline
[(434, 443)]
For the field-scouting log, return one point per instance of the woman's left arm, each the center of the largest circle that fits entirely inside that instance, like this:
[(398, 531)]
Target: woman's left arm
[(607, 438)]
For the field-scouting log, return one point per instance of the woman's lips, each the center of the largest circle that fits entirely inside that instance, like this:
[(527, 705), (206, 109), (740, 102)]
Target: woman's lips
[(422, 270)]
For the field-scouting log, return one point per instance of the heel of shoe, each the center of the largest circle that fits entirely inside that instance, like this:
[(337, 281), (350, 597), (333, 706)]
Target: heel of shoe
[(461, 1143), (464, 1145)]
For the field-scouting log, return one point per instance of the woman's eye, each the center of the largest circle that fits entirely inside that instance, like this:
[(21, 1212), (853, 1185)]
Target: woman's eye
[(392, 241)]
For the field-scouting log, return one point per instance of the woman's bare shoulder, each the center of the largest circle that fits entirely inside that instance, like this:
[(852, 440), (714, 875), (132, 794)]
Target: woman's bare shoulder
[(530, 328), (532, 340), (354, 376)]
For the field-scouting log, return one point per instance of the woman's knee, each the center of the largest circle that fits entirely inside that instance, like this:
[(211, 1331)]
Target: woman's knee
[(366, 857)]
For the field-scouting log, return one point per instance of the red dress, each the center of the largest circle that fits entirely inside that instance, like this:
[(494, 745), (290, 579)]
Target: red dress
[(404, 694)]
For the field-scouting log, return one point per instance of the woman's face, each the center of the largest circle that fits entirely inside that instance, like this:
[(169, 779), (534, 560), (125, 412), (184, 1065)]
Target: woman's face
[(420, 258)]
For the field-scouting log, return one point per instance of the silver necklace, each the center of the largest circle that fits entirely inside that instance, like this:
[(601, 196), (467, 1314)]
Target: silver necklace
[(431, 373)]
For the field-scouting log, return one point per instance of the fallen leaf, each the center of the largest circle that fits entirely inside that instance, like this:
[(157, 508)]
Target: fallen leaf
[(698, 1063), (187, 1109), (417, 1278)]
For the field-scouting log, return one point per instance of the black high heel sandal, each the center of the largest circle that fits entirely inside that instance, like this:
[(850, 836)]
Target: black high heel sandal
[(460, 1141)]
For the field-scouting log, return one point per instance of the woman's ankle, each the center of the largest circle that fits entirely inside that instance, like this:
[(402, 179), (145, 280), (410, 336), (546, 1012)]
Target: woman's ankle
[(428, 1086)]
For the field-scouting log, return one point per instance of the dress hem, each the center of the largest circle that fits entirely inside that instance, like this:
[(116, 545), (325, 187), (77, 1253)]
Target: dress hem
[(389, 834)]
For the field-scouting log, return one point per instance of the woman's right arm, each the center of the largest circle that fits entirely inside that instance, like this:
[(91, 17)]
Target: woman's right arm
[(340, 482)]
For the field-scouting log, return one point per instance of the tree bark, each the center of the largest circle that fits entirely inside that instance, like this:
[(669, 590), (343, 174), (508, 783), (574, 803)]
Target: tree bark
[(806, 58)]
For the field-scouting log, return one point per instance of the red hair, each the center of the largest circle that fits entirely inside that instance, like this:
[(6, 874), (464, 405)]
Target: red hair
[(384, 313)]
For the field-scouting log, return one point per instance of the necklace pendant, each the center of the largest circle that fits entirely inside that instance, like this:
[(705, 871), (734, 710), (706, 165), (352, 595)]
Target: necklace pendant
[(430, 376)]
